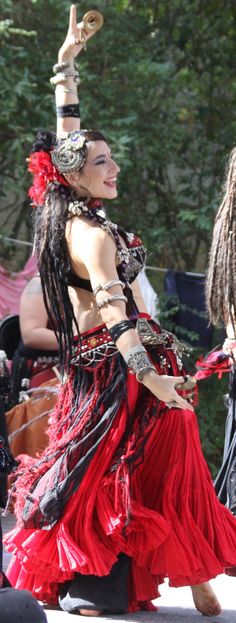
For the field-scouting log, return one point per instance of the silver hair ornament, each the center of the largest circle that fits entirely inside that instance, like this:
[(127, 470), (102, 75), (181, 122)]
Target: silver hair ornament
[(70, 155)]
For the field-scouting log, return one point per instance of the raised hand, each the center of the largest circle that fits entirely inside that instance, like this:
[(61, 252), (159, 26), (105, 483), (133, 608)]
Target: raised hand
[(76, 38)]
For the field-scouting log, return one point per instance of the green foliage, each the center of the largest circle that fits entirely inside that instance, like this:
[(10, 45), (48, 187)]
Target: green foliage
[(159, 79)]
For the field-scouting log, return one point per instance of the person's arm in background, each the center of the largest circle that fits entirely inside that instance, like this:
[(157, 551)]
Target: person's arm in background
[(34, 318)]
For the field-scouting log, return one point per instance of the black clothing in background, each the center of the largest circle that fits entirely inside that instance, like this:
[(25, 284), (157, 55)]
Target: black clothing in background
[(189, 290)]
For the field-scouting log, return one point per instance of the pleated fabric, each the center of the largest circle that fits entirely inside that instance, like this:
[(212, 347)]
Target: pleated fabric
[(146, 493)]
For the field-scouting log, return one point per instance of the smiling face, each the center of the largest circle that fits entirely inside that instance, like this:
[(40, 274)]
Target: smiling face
[(98, 176)]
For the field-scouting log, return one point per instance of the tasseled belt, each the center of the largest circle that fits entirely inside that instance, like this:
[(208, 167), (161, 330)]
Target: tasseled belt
[(96, 343)]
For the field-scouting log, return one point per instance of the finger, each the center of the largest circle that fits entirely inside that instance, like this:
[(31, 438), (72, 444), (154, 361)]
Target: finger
[(73, 18), (177, 405), (179, 379), (182, 402)]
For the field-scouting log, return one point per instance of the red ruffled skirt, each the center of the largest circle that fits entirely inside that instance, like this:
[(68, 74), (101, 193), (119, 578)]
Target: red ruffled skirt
[(146, 491)]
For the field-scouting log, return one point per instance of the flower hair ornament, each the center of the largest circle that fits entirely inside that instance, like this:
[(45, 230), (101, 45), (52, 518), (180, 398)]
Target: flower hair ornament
[(44, 171), (70, 153)]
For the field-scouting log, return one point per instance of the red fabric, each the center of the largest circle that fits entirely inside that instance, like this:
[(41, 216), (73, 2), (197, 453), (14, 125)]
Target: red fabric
[(42, 376), (217, 362), (177, 528)]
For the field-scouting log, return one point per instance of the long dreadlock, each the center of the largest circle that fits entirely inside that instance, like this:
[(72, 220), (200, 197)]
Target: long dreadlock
[(221, 278), (53, 263)]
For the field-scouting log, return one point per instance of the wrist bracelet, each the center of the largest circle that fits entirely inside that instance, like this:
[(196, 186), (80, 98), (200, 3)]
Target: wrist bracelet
[(63, 76), (138, 360), (143, 371), (58, 67), (69, 110)]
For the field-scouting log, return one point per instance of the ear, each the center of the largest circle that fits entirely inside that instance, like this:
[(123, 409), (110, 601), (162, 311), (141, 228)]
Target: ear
[(72, 178)]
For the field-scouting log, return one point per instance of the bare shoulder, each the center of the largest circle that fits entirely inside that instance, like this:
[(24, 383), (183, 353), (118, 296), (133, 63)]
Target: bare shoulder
[(34, 286), (88, 238)]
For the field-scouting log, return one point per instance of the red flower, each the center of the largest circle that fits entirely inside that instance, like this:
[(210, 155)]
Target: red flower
[(44, 171)]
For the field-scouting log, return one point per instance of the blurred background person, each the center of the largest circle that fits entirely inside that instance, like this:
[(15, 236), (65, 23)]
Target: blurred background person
[(33, 378), (221, 303)]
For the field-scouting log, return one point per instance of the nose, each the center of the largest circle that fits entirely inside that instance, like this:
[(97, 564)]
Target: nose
[(115, 167)]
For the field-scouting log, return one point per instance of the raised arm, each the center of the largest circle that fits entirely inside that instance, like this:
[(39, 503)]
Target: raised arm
[(66, 76)]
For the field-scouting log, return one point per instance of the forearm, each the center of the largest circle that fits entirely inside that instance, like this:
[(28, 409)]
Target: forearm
[(66, 89), (139, 362), (127, 340), (66, 94)]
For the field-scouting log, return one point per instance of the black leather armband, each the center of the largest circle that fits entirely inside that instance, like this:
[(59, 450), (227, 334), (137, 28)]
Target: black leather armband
[(70, 110), (119, 328)]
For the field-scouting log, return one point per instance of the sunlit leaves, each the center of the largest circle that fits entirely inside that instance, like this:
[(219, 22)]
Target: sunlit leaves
[(159, 81)]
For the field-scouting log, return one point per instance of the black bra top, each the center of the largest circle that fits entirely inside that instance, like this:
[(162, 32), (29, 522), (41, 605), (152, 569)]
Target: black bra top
[(134, 255), (78, 282)]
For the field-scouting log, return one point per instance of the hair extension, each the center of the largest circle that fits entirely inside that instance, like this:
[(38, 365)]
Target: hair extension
[(53, 262), (221, 278)]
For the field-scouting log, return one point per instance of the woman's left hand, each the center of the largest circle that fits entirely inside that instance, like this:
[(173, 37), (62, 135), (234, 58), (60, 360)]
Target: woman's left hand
[(75, 39)]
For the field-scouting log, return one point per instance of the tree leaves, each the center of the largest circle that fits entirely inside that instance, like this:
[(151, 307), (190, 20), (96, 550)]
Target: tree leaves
[(159, 80)]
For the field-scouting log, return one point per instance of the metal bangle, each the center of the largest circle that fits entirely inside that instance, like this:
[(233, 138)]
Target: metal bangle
[(111, 299), (58, 67), (143, 371), (138, 360), (134, 350), (108, 285), (63, 76)]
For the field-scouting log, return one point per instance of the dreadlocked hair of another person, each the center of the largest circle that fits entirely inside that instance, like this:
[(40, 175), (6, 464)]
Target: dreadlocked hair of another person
[(221, 277)]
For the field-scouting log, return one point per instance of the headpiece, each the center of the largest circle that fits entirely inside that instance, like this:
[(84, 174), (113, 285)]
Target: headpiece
[(69, 153), (44, 172), (66, 155)]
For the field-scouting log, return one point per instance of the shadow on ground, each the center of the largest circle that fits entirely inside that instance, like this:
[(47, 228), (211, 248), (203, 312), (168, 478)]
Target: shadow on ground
[(167, 615)]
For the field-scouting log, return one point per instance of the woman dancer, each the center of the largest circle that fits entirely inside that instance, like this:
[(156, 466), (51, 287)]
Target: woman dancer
[(122, 496)]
